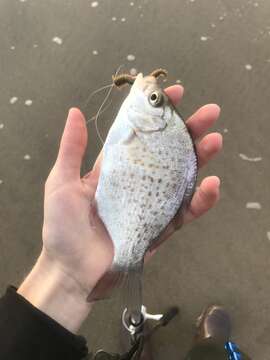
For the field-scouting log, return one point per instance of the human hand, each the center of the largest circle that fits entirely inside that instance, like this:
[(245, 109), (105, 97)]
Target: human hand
[(77, 249), (73, 234)]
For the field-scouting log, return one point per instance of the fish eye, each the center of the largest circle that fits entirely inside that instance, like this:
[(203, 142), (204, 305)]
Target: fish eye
[(156, 98)]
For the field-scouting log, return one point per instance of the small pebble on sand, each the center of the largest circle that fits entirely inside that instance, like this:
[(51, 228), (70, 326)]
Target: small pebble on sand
[(133, 72), (28, 102), (131, 57), (204, 38), (13, 100), (247, 158), (253, 205), (57, 40)]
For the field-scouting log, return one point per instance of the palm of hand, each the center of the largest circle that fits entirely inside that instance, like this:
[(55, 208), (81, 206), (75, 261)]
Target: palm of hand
[(73, 235)]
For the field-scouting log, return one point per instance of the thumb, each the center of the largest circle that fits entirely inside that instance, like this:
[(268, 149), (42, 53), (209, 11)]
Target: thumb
[(73, 145)]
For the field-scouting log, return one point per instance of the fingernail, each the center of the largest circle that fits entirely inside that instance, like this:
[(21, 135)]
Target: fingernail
[(70, 111)]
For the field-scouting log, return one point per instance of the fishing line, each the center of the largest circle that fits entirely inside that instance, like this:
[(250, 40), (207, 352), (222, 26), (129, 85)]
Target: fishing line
[(95, 92), (101, 110)]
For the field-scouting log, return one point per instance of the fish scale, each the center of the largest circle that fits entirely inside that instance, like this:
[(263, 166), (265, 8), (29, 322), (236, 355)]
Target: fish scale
[(148, 173)]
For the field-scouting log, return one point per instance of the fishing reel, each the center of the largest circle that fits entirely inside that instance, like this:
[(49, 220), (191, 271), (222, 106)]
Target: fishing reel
[(137, 333)]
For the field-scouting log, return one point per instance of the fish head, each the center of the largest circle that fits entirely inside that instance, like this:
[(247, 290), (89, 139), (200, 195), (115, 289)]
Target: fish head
[(148, 106)]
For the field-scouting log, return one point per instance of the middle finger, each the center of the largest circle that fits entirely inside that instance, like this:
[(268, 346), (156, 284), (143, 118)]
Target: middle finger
[(202, 120)]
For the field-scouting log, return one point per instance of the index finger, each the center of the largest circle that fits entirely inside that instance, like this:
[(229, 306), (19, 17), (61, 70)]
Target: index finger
[(175, 93)]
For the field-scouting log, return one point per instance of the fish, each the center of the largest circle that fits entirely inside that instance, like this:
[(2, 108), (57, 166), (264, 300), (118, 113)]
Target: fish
[(148, 174)]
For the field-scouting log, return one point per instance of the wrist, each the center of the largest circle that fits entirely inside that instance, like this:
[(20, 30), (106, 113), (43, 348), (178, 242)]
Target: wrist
[(56, 294)]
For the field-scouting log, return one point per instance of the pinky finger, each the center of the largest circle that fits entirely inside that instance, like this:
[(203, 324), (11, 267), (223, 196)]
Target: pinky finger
[(205, 197)]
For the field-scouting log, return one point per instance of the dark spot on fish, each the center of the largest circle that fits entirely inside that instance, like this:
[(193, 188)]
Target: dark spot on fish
[(149, 206), (154, 213), (159, 181), (144, 177), (151, 179), (150, 193), (159, 152), (157, 194), (165, 166)]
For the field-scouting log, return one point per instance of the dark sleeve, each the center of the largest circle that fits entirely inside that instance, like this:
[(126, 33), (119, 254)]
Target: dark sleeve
[(27, 333)]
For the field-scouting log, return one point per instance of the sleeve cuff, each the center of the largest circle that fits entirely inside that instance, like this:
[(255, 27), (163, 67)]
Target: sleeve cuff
[(29, 333)]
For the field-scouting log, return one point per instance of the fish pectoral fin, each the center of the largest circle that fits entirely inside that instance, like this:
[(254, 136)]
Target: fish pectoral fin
[(132, 289)]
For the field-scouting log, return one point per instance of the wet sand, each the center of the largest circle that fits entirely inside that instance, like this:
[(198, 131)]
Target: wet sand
[(55, 53)]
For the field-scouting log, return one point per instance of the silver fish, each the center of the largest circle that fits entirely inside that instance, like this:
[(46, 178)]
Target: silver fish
[(148, 173)]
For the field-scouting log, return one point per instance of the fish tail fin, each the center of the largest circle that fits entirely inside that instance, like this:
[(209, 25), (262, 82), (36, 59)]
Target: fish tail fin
[(132, 290), (127, 281)]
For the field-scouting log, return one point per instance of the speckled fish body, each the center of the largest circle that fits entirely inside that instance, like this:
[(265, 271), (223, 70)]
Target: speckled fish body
[(148, 172)]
